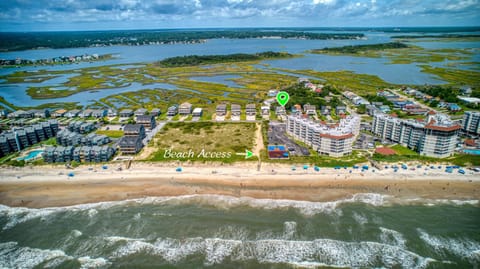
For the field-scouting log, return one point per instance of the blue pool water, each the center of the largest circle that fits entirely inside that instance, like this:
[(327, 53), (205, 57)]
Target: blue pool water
[(31, 155), (472, 151)]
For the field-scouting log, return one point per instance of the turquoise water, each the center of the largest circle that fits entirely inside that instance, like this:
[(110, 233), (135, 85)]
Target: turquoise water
[(207, 231), (31, 155), (472, 151)]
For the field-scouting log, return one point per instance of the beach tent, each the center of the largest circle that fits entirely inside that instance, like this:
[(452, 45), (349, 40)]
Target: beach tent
[(294, 168), (316, 168), (365, 167), (305, 167), (71, 174), (179, 169), (105, 167)]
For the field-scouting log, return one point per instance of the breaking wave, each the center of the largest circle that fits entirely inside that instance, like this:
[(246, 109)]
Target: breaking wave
[(273, 251)]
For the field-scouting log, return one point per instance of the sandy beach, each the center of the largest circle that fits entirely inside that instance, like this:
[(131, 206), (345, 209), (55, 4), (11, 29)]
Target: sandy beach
[(49, 186)]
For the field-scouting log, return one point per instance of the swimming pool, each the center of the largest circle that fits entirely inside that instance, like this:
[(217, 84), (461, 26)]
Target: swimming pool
[(31, 155), (472, 151)]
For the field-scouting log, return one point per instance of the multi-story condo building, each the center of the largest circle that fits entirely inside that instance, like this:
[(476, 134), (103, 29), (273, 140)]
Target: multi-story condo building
[(434, 137), (471, 122), (334, 140)]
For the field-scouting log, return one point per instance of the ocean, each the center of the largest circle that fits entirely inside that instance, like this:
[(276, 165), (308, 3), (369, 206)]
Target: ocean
[(212, 231)]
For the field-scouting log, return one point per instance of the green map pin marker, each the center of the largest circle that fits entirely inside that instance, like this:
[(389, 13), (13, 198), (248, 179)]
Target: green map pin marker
[(282, 98)]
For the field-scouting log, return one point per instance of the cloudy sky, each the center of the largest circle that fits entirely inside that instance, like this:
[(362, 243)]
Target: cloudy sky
[(42, 15)]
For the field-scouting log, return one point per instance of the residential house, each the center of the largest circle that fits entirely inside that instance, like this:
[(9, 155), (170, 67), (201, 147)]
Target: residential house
[(251, 110), (126, 113), (172, 111), (72, 113), (221, 110), (130, 144), (141, 112), (100, 113), (148, 121), (86, 113), (236, 110), (40, 113), (112, 112), (280, 111), (310, 110), (197, 112), (185, 109), (265, 110), (155, 112), (59, 113), (134, 130), (340, 110)]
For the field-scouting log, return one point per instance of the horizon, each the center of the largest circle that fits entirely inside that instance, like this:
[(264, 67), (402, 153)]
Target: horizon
[(106, 15), (472, 28)]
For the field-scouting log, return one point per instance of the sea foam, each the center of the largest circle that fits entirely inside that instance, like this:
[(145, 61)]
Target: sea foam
[(274, 251)]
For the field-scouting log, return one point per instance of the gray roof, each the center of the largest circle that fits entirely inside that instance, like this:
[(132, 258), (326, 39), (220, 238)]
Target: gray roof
[(133, 128), (128, 141), (144, 118)]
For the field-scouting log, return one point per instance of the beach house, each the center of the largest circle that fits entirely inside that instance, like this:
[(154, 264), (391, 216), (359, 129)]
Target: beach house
[(185, 109), (72, 113), (141, 112), (155, 112), (236, 110), (126, 113), (251, 110), (221, 110), (148, 121), (197, 112), (310, 110), (134, 130), (85, 113), (130, 144), (172, 111)]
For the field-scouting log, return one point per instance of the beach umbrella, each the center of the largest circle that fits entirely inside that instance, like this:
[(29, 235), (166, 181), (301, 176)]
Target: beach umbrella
[(71, 174), (105, 167), (305, 167), (317, 168), (179, 169), (294, 168)]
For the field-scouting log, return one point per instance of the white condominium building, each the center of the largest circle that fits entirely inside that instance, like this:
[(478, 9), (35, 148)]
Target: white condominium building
[(332, 140), (471, 122), (434, 137)]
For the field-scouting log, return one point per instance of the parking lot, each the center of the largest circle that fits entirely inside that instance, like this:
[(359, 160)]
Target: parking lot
[(277, 136), (365, 141)]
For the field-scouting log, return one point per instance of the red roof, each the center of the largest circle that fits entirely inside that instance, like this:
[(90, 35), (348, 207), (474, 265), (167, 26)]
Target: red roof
[(470, 142), (431, 112), (345, 136), (394, 114), (431, 125), (385, 151)]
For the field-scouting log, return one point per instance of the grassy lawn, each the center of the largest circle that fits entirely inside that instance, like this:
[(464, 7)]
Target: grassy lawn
[(401, 150), (111, 133), (228, 138)]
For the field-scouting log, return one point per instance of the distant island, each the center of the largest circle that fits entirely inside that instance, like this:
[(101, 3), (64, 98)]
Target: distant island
[(55, 60), (193, 60), (435, 36), (361, 48), (15, 41)]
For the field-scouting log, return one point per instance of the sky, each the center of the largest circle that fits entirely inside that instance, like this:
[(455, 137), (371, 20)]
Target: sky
[(62, 15)]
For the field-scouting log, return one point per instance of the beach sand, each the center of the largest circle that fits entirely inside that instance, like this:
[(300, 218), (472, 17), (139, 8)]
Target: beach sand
[(49, 186)]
